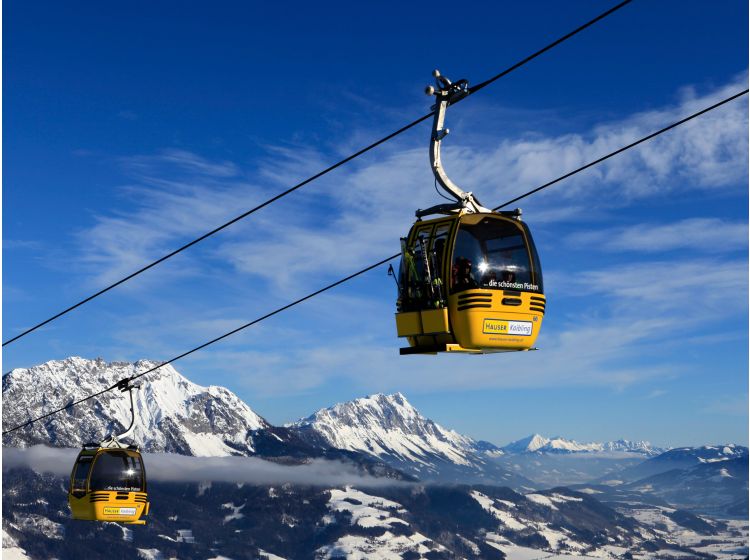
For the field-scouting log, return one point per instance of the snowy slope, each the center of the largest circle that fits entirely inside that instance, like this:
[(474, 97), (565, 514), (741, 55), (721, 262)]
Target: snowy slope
[(389, 428), (439, 522), (173, 414)]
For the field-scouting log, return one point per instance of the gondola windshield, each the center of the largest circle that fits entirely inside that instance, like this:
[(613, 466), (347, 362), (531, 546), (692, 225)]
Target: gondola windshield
[(494, 254), (116, 470)]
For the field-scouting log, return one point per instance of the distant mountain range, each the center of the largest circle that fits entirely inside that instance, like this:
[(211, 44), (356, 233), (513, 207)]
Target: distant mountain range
[(389, 428), (709, 479), (540, 444), (559, 461), (681, 458), (493, 505), (179, 416)]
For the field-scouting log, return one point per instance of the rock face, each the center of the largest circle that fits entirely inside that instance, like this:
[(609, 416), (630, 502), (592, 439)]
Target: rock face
[(390, 429), (173, 414)]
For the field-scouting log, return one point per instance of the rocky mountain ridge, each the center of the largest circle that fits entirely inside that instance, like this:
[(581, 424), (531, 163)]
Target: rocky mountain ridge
[(390, 429), (173, 414)]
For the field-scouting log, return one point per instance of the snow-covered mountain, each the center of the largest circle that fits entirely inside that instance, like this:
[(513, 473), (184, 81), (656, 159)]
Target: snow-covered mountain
[(173, 414), (684, 458), (390, 429), (639, 447), (536, 443), (709, 480), (559, 461), (388, 424)]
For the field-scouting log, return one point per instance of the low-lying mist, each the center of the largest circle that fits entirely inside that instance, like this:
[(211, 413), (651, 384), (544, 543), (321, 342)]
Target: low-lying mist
[(170, 467)]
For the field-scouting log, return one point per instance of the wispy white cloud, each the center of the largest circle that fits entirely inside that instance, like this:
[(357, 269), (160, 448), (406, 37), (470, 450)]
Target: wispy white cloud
[(697, 288), (183, 160), (175, 197), (21, 244), (356, 214), (710, 235)]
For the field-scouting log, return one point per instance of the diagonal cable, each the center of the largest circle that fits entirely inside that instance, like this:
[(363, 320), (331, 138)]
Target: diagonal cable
[(312, 178), (624, 148), (381, 262)]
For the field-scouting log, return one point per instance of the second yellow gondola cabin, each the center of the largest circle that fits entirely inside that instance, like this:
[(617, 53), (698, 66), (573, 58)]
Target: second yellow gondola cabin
[(470, 280), (108, 482)]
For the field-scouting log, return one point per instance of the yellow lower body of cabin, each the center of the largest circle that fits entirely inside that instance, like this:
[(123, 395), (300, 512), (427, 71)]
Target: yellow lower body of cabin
[(120, 507), (475, 321)]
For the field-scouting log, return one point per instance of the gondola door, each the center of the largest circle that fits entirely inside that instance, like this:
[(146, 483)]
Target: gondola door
[(422, 314)]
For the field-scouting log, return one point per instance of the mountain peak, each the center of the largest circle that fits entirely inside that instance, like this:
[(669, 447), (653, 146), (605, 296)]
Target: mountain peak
[(172, 413), (382, 425), (530, 443)]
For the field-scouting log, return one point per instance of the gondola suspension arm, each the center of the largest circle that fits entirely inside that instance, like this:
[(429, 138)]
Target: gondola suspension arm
[(447, 93), (114, 440)]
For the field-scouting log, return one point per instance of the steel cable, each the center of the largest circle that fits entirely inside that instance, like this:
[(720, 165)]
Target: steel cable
[(381, 262), (309, 179)]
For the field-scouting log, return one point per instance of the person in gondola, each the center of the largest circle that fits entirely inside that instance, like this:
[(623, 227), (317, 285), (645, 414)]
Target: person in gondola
[(508, 276), (463, 275)]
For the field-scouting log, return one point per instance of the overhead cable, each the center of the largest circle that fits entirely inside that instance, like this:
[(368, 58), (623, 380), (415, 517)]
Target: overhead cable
[(310, 179), (372, 266)]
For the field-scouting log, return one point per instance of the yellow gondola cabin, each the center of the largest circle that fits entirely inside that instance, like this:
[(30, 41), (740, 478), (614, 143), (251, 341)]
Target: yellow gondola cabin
[(108, 484), (470, 280), (469, 283)]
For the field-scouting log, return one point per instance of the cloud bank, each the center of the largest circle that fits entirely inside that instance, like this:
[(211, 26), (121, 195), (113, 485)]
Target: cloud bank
[(169, 467)]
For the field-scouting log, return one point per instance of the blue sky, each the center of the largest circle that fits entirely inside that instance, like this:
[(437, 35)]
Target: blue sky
[(129, 130)]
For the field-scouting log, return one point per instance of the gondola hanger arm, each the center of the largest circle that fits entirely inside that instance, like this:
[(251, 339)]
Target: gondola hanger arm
[(447, 93), (114, 440)]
